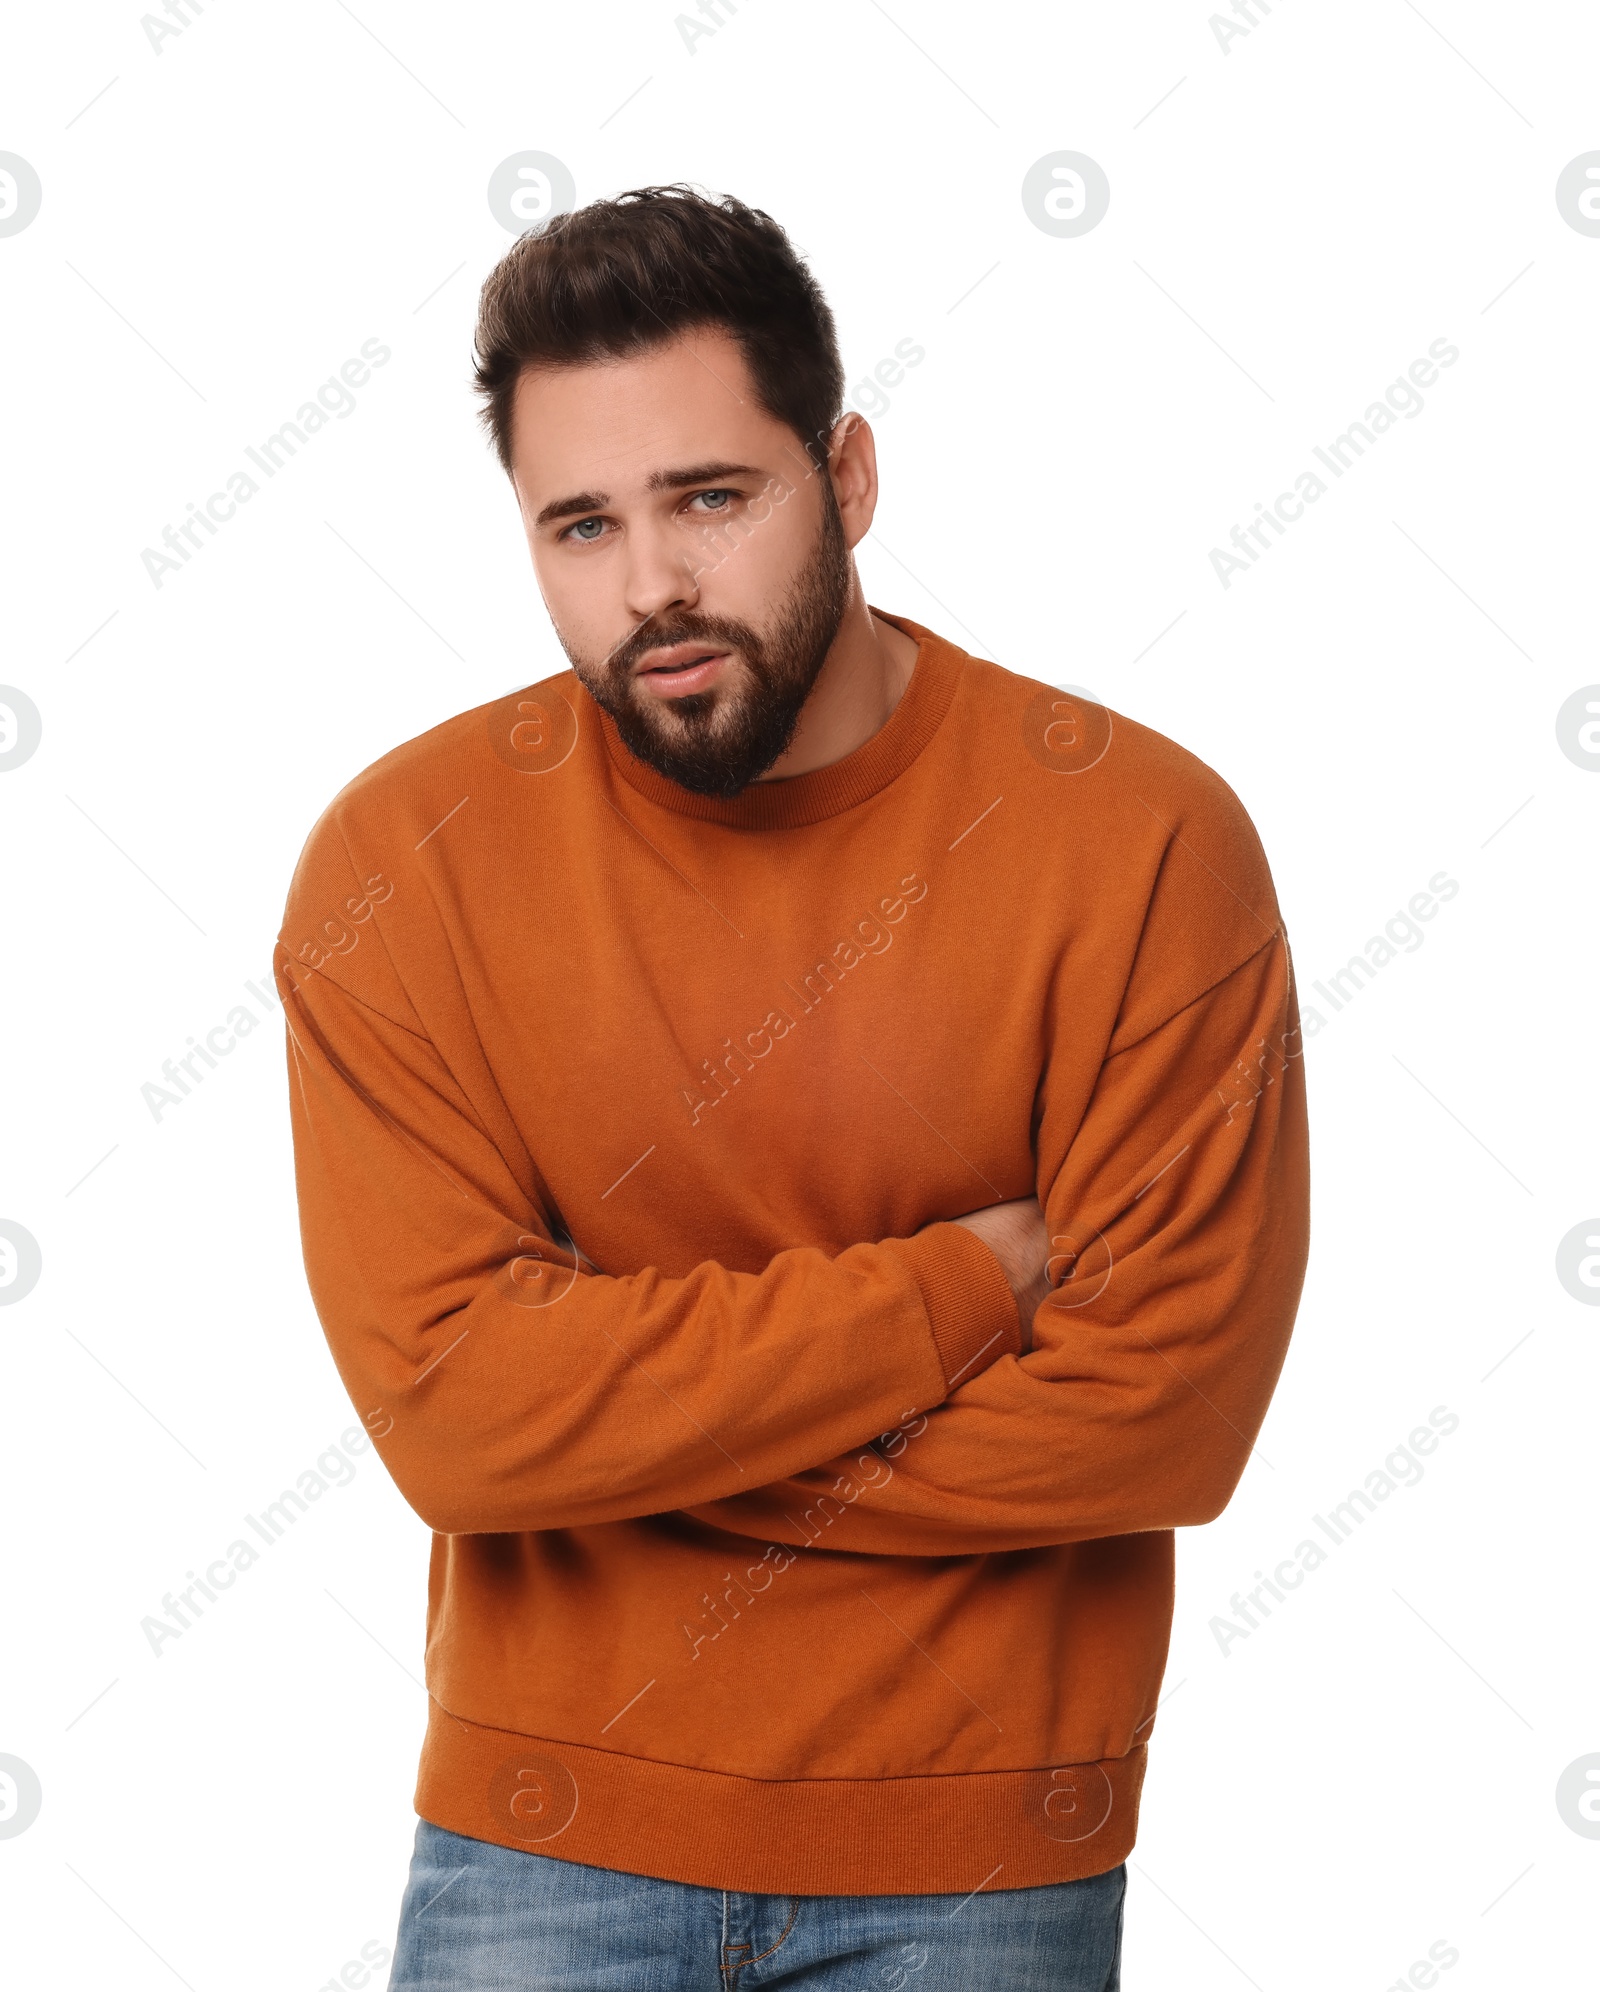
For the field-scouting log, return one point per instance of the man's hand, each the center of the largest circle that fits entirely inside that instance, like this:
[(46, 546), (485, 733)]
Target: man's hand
[(1016, 1234)]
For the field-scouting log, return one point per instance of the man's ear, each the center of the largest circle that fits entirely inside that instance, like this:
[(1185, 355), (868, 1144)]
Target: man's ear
[(853, 466)]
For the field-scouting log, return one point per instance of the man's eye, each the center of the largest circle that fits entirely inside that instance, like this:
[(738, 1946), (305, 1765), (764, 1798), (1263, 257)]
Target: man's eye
[(577, 531), (725, 496)]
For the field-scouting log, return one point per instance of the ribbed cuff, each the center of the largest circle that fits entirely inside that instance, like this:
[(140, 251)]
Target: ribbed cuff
[(971, 1308)]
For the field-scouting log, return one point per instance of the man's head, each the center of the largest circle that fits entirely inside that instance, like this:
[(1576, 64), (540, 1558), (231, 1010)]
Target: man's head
[(662, 384)]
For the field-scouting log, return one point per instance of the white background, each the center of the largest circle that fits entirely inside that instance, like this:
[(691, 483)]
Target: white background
[(1292, 222)]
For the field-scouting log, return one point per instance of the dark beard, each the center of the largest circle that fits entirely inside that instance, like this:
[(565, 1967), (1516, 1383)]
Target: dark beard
[(716, 752)]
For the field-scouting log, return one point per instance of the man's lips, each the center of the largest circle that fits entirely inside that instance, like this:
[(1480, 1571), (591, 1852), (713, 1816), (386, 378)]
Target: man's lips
[(684, 668)]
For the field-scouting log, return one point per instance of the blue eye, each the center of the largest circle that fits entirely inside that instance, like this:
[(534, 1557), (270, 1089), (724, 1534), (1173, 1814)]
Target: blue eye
[(578, 534)]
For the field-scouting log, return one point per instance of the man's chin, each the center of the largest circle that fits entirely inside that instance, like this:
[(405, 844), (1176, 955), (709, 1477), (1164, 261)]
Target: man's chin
[(703, 766), (697, 774)]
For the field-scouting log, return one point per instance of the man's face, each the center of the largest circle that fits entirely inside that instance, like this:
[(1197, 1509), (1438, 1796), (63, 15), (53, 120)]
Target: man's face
[(695, 575)]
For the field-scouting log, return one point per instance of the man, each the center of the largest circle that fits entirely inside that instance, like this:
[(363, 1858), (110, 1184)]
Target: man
[(678, 1047)]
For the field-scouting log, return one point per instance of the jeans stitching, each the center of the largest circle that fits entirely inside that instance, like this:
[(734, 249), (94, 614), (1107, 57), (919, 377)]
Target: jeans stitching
[(794, 1910), (730, 1972)]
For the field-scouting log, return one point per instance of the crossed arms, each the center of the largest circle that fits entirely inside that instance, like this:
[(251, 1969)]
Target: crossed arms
[(508, 1389)]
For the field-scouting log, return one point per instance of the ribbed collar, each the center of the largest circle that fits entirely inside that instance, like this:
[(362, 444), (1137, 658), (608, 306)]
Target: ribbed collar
[(808, 798)]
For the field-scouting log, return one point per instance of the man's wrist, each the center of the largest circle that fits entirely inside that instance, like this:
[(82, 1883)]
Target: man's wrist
[(972, 1306)]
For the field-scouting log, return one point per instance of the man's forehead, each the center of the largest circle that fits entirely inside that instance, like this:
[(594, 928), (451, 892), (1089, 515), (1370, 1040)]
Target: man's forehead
[(628, 424)]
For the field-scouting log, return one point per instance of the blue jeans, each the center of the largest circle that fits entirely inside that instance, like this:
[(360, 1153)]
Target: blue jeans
[(484, 1918)]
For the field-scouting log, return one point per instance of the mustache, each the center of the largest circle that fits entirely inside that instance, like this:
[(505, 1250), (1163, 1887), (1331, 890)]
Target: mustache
[(623, 657)]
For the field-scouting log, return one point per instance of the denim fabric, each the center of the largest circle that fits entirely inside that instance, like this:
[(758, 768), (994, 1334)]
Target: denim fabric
[(484, 1918)]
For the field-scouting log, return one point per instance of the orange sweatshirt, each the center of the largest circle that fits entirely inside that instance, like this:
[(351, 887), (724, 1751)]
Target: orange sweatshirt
[(625, 1126)]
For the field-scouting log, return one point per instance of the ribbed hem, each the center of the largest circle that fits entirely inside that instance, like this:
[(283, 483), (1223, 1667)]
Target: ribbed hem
[(809, 1836), (971, 1307)]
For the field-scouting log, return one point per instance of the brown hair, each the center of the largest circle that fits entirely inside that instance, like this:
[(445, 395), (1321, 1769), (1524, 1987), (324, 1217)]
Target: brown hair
[(621, 275)]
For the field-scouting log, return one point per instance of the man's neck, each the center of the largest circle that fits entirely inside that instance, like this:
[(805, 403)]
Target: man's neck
[(868, 666)]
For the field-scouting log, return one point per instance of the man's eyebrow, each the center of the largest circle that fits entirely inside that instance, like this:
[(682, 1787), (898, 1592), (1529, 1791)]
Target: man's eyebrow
[(584, 502)]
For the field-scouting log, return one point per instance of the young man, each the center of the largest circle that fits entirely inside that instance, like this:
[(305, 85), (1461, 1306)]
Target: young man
[(678, 1048)]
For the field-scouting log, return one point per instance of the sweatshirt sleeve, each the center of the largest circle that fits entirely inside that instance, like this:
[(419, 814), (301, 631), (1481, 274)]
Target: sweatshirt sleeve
[(509, 1386), (1178, 1220)]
